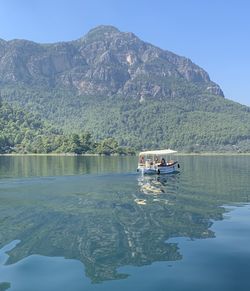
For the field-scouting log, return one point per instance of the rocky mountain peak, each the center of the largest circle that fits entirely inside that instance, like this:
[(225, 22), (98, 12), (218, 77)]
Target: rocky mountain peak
[(104, 29), (104, 62)]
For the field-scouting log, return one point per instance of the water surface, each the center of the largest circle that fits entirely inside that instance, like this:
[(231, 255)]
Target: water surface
[(92, 223)]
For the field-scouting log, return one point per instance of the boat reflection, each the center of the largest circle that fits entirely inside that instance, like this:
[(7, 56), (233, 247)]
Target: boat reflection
[(157, 189), (152, 185)]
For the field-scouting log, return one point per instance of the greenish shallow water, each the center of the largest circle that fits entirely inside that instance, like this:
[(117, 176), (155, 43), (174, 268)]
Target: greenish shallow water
[(76, 223)]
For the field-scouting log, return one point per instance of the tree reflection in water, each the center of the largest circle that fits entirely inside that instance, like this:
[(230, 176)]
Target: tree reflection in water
[(95, 219)]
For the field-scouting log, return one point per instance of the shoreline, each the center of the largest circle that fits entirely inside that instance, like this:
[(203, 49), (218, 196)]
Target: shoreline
[(116, 155), (62, 155), (213, 154)]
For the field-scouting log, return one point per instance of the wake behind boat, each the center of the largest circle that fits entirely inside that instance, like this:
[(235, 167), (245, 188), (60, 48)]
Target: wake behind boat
[(157, 162)]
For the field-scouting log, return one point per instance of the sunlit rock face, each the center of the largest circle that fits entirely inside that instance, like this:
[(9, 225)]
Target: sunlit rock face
[(104, 62)]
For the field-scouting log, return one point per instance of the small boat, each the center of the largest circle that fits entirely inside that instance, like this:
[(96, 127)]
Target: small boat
[(157, 162)]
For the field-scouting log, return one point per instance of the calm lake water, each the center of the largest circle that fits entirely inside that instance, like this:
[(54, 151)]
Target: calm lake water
[(93, 223)]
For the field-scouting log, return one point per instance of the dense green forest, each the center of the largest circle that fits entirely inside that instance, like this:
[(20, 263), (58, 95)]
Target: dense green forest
[(23, 132), (190, 124)]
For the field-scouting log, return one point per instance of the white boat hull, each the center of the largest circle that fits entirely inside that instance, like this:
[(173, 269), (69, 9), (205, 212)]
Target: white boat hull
[(158, 169)]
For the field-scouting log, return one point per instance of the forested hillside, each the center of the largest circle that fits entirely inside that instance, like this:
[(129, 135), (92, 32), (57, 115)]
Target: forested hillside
[(113, 85), (22, 132)]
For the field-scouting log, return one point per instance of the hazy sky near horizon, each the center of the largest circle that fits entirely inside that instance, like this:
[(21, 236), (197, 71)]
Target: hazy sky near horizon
[(214, 34)]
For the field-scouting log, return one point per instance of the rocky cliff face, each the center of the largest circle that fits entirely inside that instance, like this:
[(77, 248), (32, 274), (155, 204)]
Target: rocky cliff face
[(103, 62)]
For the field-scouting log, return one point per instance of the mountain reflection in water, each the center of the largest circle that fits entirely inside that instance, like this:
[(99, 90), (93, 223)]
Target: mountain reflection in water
[(96, 220)]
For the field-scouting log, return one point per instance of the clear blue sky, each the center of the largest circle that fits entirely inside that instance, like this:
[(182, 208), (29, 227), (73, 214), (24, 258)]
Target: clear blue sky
[(215, 34)]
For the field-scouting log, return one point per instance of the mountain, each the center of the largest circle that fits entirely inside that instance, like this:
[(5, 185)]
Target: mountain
[(104, 62), (111, 83)]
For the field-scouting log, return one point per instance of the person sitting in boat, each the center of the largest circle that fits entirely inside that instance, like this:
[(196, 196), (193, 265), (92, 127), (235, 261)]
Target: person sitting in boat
[(170, 163), (157, 161), (163, 162), (142, 161)]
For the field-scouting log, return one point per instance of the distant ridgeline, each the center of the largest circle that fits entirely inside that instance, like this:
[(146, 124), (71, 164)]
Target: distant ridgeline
[(22, 132), (114, 85)]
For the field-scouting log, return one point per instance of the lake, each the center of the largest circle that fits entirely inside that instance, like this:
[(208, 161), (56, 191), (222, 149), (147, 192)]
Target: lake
[(93, 223)]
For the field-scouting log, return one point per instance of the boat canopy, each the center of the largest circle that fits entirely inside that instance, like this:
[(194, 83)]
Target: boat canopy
[(157, 152)]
